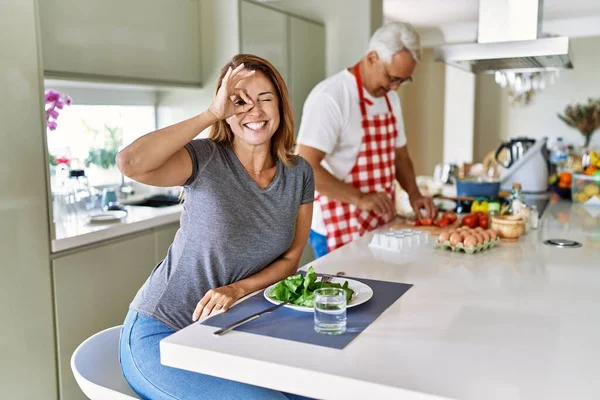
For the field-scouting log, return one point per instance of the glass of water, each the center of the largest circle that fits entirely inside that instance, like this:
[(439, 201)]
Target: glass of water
[(330, 311)]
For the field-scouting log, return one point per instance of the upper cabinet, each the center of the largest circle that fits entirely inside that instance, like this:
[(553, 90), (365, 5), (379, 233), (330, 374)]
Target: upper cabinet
[(294, 45), (152, 41), (264, 32), (307, 56)]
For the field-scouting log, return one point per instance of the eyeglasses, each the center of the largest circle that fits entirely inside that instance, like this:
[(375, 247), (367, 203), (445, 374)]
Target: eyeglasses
[(393, 80)]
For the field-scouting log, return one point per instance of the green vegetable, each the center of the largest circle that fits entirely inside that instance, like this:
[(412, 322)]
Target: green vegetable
[(301, 288), (306, 299), (293, 283), (311, 277)]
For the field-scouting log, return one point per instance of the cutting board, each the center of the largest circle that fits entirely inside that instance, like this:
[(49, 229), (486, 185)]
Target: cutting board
[(407, 223)]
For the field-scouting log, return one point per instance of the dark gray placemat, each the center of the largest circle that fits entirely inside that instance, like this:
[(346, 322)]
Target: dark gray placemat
[(285, 323)]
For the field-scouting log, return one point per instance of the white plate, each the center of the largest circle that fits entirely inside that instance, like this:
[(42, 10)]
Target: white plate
[(107, 216), (362, 294)]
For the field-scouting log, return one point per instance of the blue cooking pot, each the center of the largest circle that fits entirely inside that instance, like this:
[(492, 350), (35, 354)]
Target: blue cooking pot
[(478, 189)]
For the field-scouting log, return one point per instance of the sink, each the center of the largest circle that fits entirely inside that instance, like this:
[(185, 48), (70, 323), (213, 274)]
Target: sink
[(159, 200)]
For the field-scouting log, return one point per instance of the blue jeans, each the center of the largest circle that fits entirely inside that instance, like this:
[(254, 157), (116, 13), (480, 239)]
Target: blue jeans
[(140, 361), (318, 243)]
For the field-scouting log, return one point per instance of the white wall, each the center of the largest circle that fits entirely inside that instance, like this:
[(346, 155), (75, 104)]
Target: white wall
[(574, 86), (459, 112), (423, 113), (539, 118)]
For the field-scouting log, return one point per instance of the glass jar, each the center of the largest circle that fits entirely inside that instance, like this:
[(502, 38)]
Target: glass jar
[(516, 200), (80, 190), (534, 216)]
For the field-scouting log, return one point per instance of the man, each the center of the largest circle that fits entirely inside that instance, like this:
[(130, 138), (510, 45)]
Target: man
[(352, 134)]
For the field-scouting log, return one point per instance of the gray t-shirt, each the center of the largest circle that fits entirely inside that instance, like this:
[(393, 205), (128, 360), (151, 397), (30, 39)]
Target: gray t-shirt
[(230, 230)]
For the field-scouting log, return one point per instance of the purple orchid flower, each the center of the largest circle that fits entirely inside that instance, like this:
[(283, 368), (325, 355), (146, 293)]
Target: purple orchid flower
[(54, 100), (51, 96), (52, 113)]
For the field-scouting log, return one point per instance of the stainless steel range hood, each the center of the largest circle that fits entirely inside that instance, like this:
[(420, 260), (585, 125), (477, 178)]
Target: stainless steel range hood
[(509, 38)]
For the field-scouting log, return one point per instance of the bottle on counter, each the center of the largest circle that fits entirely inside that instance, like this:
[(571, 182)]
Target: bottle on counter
[(80, 189), (517, 205), (516, 200), (525, 213), (559, 155), (534, 217)]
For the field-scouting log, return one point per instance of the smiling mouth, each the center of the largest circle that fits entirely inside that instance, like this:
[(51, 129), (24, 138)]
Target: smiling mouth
[(255, 126)]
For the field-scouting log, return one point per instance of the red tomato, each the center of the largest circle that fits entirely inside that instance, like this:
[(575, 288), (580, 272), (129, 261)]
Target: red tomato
[(470, 220), (417, 223), (442, 223), (484, 221), (450, 217), (426, 221)]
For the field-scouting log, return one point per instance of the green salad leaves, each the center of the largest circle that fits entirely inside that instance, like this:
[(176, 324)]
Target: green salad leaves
[(300, 288)]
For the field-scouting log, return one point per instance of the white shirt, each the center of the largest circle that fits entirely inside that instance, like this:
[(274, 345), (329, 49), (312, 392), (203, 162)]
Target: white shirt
[(331, 122)]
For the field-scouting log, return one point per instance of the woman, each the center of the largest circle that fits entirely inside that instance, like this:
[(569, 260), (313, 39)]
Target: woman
[(246, 220)]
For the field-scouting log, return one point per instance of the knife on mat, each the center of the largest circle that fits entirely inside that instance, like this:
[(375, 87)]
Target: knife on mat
[(249, 318)]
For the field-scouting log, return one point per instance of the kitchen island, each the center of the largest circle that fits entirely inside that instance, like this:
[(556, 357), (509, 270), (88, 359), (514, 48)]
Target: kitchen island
[(520, 321)]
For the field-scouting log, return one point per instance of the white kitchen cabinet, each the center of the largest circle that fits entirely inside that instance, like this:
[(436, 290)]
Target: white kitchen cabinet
[(92, 292), (307, 61), (155, 41), (264, 32)]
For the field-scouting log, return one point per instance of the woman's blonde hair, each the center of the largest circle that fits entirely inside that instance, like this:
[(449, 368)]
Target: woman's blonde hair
[(282, 142)]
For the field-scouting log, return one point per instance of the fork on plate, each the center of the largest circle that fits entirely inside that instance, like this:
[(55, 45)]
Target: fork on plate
[(329, 277)]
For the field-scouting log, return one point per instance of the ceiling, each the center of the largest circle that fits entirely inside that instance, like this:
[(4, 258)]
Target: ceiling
[(427, 14)]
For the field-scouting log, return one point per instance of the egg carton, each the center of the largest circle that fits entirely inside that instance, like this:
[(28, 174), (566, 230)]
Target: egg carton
[(488, 244), (401, 240)]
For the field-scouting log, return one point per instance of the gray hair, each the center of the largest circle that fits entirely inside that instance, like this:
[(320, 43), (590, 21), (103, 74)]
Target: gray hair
[(394, 37)]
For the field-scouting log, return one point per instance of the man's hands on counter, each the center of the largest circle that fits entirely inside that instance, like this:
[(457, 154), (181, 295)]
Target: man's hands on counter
[(419, 202), (405, 174), (380, 203)]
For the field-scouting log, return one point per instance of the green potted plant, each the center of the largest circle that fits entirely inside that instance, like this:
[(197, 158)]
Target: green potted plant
[(105, 156), (583, 117)]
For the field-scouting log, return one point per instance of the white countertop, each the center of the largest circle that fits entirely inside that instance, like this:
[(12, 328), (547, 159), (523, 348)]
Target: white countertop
[(77, 231), (520, 321)]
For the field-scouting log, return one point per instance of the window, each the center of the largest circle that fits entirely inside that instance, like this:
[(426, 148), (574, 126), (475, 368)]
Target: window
[(88, 136)]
